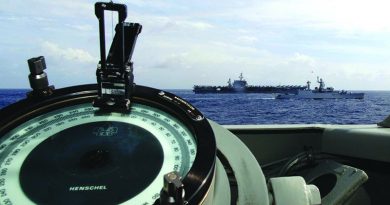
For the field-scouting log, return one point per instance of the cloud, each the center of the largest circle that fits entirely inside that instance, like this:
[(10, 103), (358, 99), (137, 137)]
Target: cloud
[(158, 24), (174, 61), (198, 42), (342, 16), (248, 39), (71, 54), (303, 59), (81, 27), (48, 9), (194, 24)]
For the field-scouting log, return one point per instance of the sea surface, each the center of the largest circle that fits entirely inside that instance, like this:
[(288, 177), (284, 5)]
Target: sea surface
[(264, 109)]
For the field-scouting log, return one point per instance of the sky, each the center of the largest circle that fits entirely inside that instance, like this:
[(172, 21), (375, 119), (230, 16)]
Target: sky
[(199, 42)]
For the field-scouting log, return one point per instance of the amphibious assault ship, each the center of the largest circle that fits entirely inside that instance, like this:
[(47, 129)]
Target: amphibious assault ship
[(241, 86)]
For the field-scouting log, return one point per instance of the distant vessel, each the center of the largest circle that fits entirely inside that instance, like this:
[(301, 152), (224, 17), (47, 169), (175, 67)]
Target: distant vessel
[(241, 86), (320, 93)]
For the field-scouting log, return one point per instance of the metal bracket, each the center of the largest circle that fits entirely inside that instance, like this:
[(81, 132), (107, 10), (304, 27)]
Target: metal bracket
[(38, 78), (173, 191), (115, 73)]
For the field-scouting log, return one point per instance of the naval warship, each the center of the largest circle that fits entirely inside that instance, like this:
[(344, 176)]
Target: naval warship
[(115, 142), (241, 86), (320, 92)]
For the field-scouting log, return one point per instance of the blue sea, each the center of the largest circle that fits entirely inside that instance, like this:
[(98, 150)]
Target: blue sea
[(264, 109)]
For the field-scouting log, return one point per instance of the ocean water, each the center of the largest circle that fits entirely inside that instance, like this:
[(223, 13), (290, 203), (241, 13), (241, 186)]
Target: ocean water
[(8, 96), (264, 109)]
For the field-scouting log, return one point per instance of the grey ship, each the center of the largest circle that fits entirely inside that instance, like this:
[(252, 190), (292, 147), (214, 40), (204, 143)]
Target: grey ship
[(320, 93), (241, 86)]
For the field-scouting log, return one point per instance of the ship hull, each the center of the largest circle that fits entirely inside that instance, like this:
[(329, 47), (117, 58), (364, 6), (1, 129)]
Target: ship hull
[(321, 95), (249, 89)]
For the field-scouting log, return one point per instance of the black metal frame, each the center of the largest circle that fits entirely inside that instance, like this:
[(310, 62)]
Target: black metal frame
[(115, 73)]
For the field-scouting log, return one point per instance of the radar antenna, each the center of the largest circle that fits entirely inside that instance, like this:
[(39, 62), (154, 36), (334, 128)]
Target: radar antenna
[(115, 73)]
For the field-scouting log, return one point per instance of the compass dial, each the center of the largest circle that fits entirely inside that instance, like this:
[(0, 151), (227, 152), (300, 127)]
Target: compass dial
[(79, 154)]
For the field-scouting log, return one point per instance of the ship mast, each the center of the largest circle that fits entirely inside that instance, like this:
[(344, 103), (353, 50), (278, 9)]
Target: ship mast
[(321, 82), (308, 85), (241, 77)]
